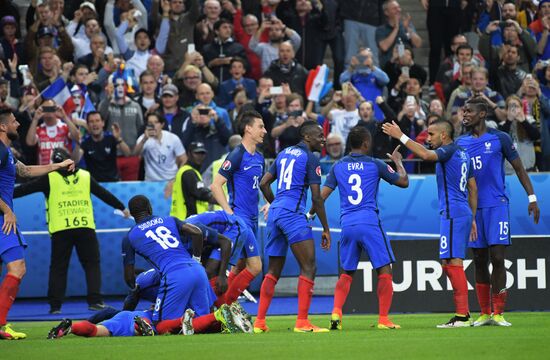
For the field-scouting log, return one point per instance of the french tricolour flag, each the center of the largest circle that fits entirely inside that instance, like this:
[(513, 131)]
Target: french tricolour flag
[(317, 84), (59, 92)]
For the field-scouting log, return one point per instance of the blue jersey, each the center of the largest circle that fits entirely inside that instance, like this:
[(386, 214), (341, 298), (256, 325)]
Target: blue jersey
[(487, 154), (243, 172), (216, 220), (358, 177), (453, 170), (7, 175), (296, 167), (158, 240)]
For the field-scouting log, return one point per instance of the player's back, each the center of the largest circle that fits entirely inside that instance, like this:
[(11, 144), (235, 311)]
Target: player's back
[(453, 169), (487, 155), (216, 220), (7, 175), (357, 178), (158, 240), (243, 172), (295, 168)]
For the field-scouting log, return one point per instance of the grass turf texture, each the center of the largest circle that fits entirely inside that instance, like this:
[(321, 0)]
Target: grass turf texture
[(528, 338)]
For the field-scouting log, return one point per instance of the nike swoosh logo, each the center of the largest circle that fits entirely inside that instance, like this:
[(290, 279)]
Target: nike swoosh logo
[(442, 252), (503, 238), (247, 167)]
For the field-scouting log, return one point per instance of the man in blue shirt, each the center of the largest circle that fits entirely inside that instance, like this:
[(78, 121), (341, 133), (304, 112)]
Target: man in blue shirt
[(457, 191), (297, 169), (488, 148), (242, 169), (12, 243), (357, 177)]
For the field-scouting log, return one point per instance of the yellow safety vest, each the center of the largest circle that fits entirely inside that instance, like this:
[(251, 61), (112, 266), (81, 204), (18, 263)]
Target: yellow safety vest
[(178, 208), (69, 205), (216, 165)]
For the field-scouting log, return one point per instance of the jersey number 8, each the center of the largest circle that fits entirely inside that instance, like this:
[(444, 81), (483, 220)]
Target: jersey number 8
[(463, 175), (163, 237)]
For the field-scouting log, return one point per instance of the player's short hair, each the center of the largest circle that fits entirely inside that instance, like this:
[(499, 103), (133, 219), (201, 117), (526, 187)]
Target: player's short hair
[(307, 127), (139, 204), (447, 126), (479, 103), (358, 135), (5, 115), (91, 113), (246, 118)]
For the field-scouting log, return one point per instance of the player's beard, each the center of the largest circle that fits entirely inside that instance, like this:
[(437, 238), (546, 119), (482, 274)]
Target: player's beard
[(13, 136)]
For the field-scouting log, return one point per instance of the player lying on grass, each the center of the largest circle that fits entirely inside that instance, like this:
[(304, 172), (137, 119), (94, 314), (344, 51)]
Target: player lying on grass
[(357, 177), (457, 193)]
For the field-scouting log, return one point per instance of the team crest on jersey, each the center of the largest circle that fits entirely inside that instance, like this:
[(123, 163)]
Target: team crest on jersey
[(318, 170), (226, 165), (463, 156), (390, 169), (488, 147)]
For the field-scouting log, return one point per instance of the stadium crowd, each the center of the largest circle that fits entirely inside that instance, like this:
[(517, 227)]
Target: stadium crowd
[(126, 72)]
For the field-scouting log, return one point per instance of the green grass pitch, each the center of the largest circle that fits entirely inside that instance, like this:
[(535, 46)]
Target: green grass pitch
[(528, 338)]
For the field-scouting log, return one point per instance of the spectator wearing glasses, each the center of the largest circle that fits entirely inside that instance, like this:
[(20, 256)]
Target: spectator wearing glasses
[(335, 150)]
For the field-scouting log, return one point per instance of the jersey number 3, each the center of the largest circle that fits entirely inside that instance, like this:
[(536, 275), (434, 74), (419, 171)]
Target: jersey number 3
[(355, 181), (163, 237)]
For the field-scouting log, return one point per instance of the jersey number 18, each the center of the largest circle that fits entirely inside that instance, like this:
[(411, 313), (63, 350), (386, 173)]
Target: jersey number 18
[(163, 237)]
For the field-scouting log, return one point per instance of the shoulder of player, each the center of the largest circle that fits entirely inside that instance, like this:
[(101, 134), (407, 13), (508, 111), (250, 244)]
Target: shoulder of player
[(498, 134)]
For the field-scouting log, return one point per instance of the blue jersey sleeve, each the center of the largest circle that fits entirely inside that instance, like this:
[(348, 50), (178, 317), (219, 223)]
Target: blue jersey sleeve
[(313, 169), (273, 169), (128, 252), (4, 158), (508, 149), (386, 172), (444, 153), (211, 235), (232, 163), (331, 181)]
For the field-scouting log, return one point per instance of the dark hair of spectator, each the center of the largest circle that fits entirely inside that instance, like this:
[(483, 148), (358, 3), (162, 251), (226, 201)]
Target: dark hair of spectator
[(448, 127), (160, 118), (91, 113), (294, 96), (46, 49), (358, 135), (433, 116), (146, 73), (76, 67), (247, 118), (139, 205), (464, 46), (142, 30), (237, 59), (4, 115), (220, 22), (307, 127)]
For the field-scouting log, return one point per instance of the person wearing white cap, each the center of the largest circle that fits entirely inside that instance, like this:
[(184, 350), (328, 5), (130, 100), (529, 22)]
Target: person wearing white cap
[(86, 11)]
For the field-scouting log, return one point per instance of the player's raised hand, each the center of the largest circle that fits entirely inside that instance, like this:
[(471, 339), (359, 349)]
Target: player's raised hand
[(392, 130), (473, 231), (10, 222), (325, 240), (533, 208), (395, 156)]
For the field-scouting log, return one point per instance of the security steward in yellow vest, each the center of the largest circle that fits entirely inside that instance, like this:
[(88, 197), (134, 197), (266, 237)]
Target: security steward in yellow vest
[(189, 195), (70, 216)]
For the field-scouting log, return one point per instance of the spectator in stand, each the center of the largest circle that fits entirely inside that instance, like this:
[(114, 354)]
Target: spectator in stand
[(38, 38), (411, 121), (443, 21), (307, 19), (50, 68), (97, 57), (205, 97), (331, 34), (527, 13), (508, 77), (182, 23), (343, 120), (11, 9), (191, 74), (512, 34), (162, 151), (156, 65), (361, 18), (148, 98), (175, 118), (7, 99), (55, 131), (76, 28), (436, 108), (219, 53), (268, 51), (24, 114), (523, 130), (132, 16), (204, 29), (99, 148), (262, 105), (244, 28), (137, 59), (119, 109), (286, 131), (207, 127), (465, 79), (366, 77), (82, 45), (543, 75), (11, 45), (240, 101), (366, 120), (229, 87), (495, 101), (334, 147), (286, 70), (508, 12), (407, 86), (404, 65), (395, 31), (537, 107)]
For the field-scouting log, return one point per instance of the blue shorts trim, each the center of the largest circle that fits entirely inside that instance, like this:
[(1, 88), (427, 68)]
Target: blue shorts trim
[(285, 228), (243, 244), (454, 237), (493, 227), (12, 254), (13, 239), (368, 237)]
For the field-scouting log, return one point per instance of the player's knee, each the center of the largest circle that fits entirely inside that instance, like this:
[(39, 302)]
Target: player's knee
[(254, 265), (17, 268), (497, 260), (309, 269)]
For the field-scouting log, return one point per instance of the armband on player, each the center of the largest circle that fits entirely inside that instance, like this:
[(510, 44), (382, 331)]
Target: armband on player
[(532, 198), (310, 217)]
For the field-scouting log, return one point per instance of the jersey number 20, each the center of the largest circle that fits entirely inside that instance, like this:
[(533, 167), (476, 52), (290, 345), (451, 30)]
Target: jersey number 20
[(163, 237)]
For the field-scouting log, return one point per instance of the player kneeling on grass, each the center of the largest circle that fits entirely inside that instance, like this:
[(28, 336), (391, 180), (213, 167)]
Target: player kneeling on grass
[(457, 193), (125, 323), (357, 177)]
